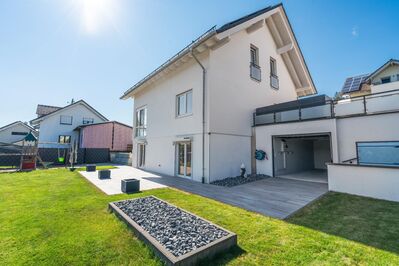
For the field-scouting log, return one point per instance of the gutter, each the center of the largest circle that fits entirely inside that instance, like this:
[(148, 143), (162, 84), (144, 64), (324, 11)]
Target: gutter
[(203, 113)]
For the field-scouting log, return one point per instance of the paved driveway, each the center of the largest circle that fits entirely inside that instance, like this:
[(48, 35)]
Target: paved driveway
[(275, 197)]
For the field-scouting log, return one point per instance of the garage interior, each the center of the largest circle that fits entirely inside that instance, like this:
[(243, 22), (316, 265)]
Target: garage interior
[(302, 157)]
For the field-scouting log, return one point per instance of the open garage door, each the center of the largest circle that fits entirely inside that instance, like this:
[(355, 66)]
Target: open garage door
[(302, 157)]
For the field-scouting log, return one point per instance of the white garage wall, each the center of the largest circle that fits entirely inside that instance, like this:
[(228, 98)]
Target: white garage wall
[(368, 181), (382, 127)]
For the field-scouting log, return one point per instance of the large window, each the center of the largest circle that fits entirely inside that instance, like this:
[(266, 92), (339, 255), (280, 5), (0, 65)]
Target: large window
[(141, 122), (184, 103), (254, 68), (66, 120), (88, 120), (64, 139), (273, 73)]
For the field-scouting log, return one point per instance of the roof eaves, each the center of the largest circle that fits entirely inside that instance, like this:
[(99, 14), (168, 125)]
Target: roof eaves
[(237, 22), (205, 36)]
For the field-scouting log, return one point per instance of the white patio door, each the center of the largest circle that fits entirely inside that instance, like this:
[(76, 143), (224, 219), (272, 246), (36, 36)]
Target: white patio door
[(141, 155), (183, 159)]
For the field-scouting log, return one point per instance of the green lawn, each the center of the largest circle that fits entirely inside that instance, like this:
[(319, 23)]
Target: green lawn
[(56, 217)]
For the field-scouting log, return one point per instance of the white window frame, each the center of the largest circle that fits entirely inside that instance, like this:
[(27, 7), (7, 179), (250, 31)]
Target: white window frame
[(66, 116), (254, 60), (141, 155), (187, 112), (274, 83), (141, 127)]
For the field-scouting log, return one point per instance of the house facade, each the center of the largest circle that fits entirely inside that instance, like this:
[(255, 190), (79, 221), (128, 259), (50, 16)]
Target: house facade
[(15, 132), (57, 127), (194, 114)]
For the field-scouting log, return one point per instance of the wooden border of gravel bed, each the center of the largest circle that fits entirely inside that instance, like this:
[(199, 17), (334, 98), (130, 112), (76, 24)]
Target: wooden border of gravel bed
[(191, 258)]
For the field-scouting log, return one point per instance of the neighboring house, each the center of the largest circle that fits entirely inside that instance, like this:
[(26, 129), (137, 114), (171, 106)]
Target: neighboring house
[(57, 126), (112, 135), (385, 78), (15, 132), (194, 114)]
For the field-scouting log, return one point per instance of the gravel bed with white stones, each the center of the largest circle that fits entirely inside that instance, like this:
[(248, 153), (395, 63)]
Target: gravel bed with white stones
[(238, 180), (178, 231)]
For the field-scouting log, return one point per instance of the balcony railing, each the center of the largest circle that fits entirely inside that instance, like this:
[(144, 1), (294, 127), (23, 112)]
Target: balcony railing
[(383, 102), (255, 72), (140, 131)]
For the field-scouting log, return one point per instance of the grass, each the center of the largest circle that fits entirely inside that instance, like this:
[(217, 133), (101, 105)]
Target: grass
[(55, 216), (98, 167)]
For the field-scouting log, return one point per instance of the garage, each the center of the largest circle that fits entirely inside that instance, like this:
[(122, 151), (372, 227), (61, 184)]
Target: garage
[(302, 157)]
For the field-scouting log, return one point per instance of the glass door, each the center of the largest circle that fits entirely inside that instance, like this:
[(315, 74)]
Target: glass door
[(183, 159), (141, 155)]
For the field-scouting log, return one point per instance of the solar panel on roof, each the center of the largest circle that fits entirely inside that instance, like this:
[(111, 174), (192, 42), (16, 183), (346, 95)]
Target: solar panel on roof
[(353, 83)]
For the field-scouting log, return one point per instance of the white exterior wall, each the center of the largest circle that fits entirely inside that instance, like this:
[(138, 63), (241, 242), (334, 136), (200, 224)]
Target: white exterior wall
[(385, 87), (391, 71), (6, 134), (384, 127), (234, 96), (264, 136), (164, 128), (368, 181), (51, 129)]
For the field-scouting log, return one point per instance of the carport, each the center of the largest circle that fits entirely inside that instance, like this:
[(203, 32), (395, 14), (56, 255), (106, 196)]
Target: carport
[(302, 157)]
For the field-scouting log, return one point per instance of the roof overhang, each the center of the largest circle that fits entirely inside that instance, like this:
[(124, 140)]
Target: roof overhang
[(286, 45), (18, 123)]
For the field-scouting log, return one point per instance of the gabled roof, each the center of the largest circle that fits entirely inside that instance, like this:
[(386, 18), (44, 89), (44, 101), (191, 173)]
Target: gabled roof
[(390, 62), (37, 120), (215, 37), (16, 123), (42, 110)]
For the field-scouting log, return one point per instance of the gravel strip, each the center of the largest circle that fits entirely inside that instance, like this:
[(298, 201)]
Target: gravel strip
[(178, 231), (238, 180)]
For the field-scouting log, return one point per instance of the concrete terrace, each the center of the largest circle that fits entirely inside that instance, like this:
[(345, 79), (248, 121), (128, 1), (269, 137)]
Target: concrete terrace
[(275, 197)]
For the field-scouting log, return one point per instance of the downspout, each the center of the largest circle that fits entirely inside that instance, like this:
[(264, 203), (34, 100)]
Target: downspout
[(203, 113)]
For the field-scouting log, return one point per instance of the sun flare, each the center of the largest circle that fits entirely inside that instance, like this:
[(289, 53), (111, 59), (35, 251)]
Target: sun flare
[(97, 15)]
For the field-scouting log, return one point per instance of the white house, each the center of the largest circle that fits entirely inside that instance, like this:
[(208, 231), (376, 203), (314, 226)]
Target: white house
[(194, 113), (57, 125), (15, 132)]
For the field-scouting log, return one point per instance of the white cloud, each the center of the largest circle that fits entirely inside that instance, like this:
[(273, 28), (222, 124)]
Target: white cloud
[(355, 31)]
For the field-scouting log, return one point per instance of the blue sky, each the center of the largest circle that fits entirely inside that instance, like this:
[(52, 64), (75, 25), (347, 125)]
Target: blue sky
[(54, 50)]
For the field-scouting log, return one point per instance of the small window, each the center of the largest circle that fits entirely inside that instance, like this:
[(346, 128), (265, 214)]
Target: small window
[(184, 103), (87, 120), (385, 80), (254, 55), (64, 139), (66, 120), (19, 133), (273, 67), (273, 74)]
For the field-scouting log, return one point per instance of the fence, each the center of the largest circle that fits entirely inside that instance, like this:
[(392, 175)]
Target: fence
[(11, 156), (376, 103)]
